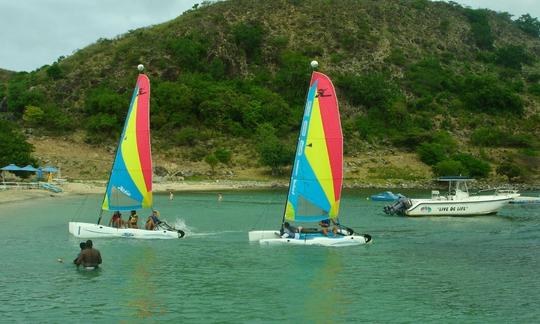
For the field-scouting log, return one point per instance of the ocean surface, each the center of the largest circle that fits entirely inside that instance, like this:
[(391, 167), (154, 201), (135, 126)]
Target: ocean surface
[(436, 269)]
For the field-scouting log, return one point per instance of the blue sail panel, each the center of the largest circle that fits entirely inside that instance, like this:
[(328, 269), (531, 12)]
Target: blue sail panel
[(306, 200)]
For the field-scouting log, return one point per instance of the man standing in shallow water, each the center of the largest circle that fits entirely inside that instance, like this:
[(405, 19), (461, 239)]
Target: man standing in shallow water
[(89, 257)]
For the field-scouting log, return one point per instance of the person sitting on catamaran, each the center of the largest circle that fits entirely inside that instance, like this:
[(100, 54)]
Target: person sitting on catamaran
[(133, 220), (152, 221), (325, 224), (291, 231), (116, 220)]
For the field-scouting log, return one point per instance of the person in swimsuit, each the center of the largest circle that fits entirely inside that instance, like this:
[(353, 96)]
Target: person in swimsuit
[(89, 257), (82, 246), (152, 221), (116, 220), (133, 220), (325, 225)]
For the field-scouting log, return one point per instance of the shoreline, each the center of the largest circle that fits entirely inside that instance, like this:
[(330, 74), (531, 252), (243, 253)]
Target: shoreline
[(98, 187)]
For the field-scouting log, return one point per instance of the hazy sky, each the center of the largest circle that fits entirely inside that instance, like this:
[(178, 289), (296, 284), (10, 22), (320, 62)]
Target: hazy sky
[(36, 32)]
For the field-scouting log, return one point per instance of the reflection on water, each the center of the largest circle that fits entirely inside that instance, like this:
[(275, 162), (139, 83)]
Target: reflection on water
[(140, 292), (323, 302)]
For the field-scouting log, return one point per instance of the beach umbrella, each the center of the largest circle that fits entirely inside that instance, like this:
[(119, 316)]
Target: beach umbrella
[(11, 167), (28, 168)]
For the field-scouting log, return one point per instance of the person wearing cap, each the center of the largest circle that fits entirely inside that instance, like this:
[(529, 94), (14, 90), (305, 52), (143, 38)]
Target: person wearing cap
[(152, 221), (89, 258)]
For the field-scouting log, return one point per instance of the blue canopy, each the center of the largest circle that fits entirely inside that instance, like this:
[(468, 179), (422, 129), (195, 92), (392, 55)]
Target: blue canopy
[(29, 168), (49, 169), (11, 167)]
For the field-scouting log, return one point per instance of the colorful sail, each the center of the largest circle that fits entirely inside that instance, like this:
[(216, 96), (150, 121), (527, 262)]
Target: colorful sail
[(130, 183), (317, 175)]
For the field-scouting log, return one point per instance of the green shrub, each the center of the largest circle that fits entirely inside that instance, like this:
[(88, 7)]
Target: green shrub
[(372, 90), (480, 29), (13, 145), (272, 152), (529, 25), (428, 77), (512, 171), (534, 89), (512, 56), (190, 54), (55, 72), (449, 168), (431, 153), (187, 136), (474, 167), (223, 155), (249, 37), (487, 94), (33, 116), (212, 161)]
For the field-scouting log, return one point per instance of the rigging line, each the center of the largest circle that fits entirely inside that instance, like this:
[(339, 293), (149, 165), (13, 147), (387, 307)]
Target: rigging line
[(78, 211)]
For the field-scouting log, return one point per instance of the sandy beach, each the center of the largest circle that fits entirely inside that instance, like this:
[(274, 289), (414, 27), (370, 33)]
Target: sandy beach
[(98, 187)]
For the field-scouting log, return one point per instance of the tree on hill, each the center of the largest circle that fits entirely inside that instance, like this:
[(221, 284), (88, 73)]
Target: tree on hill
[(13, 146)]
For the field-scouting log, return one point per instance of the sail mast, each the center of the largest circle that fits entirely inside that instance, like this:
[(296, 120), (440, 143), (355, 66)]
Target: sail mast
[(314, 65), (317, 175), (140, 67), (130, 181)]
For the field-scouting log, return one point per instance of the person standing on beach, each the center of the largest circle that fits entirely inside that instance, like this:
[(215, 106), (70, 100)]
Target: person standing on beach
[(89, 257)]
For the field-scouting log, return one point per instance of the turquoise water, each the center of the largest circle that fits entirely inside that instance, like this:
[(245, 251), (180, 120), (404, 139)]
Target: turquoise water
[(481, 269)]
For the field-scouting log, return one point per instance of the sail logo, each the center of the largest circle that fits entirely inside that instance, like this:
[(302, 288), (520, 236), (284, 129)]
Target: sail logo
[(321, 93), (124, 191)]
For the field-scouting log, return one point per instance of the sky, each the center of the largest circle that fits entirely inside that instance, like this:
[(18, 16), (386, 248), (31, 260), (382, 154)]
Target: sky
[(36, 32)]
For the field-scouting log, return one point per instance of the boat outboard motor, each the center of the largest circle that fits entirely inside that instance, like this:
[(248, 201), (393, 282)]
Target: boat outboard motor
[(399, 207)]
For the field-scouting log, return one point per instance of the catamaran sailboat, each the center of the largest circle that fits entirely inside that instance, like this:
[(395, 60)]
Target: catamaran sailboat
[(458, 202), (130, 181), (317, 174)]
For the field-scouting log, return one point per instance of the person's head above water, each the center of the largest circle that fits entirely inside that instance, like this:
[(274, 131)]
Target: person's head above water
[(89, 244), (133, 212), (82, 245)]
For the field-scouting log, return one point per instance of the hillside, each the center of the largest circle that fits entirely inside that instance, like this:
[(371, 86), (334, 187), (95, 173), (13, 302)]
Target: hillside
[(425, 88)]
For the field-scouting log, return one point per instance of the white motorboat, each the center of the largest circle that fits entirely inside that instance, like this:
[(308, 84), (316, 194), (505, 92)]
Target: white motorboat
[(458, 202)]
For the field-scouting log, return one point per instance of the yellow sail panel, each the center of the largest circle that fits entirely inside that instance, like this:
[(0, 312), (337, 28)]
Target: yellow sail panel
[(289, 212), (130, 155), (317, 154)]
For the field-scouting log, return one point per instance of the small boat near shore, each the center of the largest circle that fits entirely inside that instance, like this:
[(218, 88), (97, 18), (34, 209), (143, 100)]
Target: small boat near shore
[(385, 196), (458, 202)]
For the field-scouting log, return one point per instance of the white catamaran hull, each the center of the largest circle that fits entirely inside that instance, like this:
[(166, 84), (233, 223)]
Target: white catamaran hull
[(273, 238), (89, 230), (466, 207)]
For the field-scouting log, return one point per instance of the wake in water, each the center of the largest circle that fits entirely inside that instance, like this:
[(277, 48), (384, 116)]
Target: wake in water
[(180, 224)]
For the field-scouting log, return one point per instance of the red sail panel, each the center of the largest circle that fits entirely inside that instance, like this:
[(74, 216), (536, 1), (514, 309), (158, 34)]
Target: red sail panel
[(332, 127), (143, 129)]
